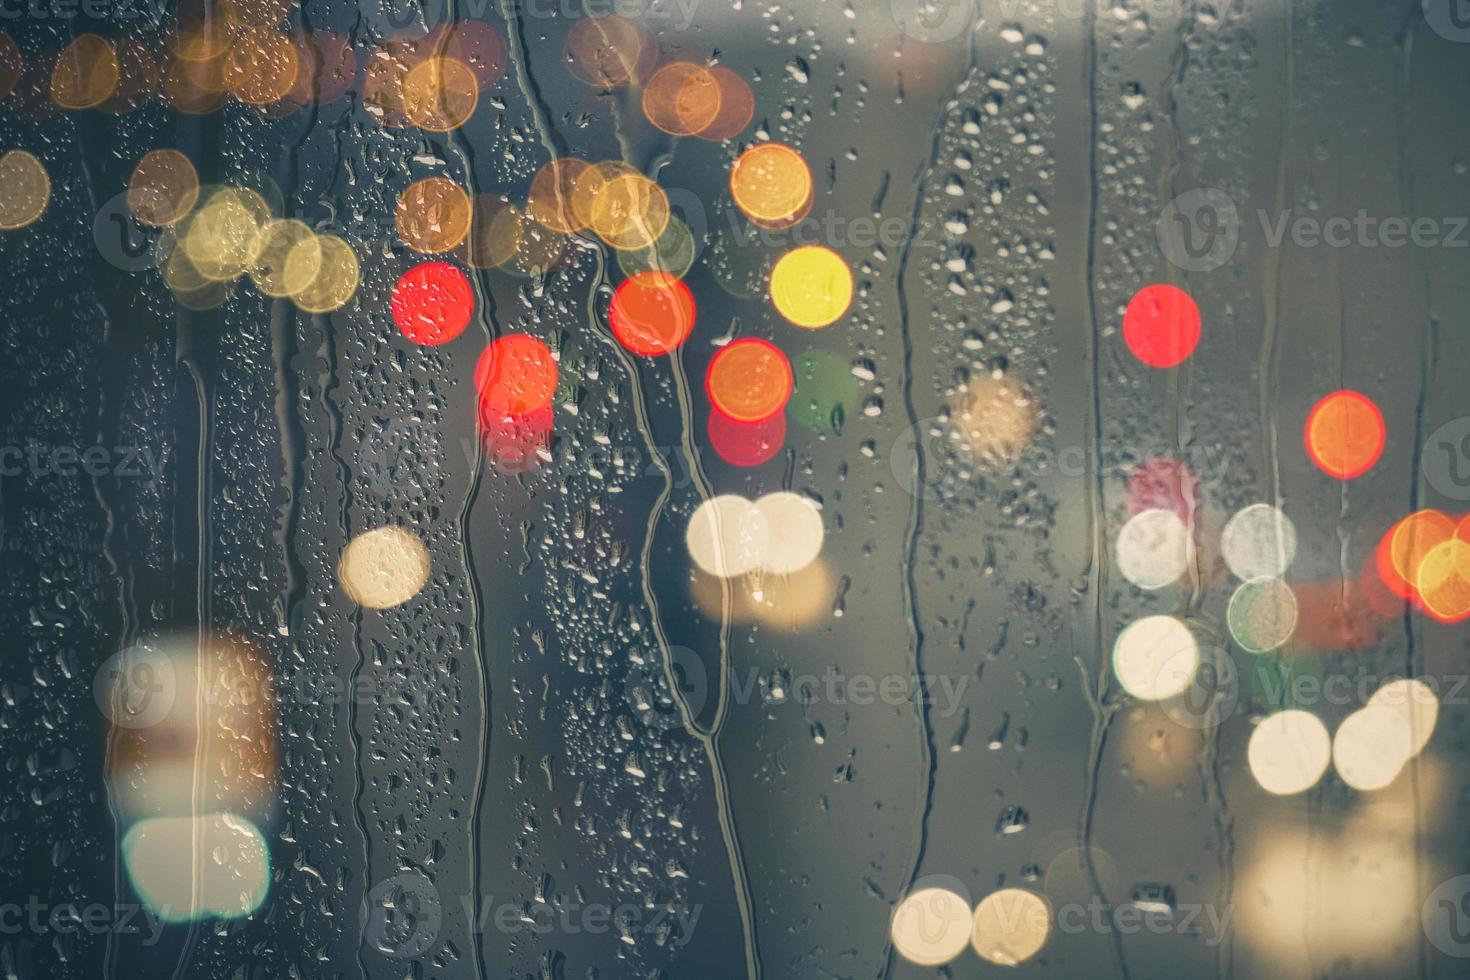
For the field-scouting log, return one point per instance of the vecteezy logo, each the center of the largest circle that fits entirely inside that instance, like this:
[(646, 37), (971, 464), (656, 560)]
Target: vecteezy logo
[(914, 462), (1446, 459), (387, 453), (1446, 917), (933, 20), (655, 705), (1450, 19), (1213, 692), (402, 915), (136, 687), (931, 908), (119, 237), (1199, 230)]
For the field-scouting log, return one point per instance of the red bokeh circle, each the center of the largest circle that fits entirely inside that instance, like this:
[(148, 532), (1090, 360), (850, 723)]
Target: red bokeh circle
[(746, 443), (516, 375), (432, 303), (1161, 325)]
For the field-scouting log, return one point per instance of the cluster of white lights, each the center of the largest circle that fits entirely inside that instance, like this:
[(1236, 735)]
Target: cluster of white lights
[(1157, 658), (1290, 751), (932, 926), (780, 533)]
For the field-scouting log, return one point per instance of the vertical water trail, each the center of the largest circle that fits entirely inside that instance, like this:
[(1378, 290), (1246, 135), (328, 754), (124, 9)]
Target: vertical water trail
[(914, 522), (1097, 573), (126, 605), (549, 138), (1428, 358)]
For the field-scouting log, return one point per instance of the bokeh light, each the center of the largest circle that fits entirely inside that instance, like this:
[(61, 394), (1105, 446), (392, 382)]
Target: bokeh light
[(516, 443), (222, 238), (1161, 325), (794, 531), (995, 420), (1010, 926), (25, 189), (549, 201), (163, 188), (1345, 435), (681, 98), (609, 51), (1416, 702), (290, 258), (1162, 483), (85, 74), (516, 375), (726, 536), (932, 926), (749, 380), (1154, 549), (1156, 658), (737, 106), (1262, 615), (651, 313), (673, 253), (383, 568), (1371, 747), (1404, 547), (261, 66), (746, 443), (824, 392), (433, 215), (811, 286), (211, 865), (1289, 752), (629, 211), (772, 185), (432, 303), (1258, 542), (336, 280), (1443, 581), (440, 94), (496, 229)]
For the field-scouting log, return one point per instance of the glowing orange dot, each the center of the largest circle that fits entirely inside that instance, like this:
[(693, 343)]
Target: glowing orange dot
[(737, 106), (1404, 547), (1161, 325), (261, 66), (516, 376), (681, 98), (433, 215), (440, 94), (749, 380), (772, 185), (1345, 434), (651, 313)]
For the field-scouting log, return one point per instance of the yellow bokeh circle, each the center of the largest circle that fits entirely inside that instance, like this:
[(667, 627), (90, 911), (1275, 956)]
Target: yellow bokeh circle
[(811, 286)]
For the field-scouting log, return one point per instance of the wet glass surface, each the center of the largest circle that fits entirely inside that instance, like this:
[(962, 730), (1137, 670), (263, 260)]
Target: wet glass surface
[(679, 488)]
